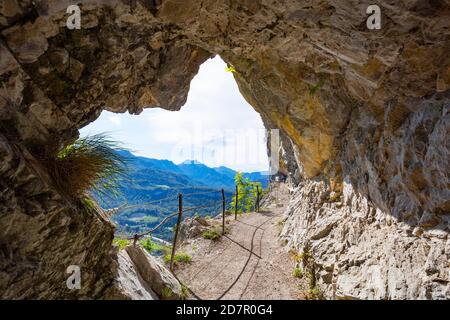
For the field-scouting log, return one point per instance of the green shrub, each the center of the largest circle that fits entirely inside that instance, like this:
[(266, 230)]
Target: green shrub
[(247, 194), (151, 246), (211, 234), (183, 257), (180, 257), (121, 243)]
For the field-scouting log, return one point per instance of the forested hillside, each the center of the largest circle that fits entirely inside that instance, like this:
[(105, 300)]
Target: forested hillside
[(149, 180)]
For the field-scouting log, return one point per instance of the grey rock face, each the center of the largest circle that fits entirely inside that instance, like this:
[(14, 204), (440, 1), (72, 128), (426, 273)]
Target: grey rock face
[(154, 274), (43, 233), (129, 283), (141, 276), (192, 227), (359, 252), (364, 120)]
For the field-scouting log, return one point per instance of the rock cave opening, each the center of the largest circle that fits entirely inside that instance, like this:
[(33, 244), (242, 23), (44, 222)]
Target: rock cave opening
[(363, 114), (214, 136), (216, 126)]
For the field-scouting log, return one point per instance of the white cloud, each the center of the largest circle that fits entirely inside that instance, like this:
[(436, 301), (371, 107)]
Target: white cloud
[(115, 119)]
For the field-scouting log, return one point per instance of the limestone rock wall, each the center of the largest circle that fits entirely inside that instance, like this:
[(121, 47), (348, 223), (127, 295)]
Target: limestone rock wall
[(359, 252), (141, 276), (363, 117), (42, 234)]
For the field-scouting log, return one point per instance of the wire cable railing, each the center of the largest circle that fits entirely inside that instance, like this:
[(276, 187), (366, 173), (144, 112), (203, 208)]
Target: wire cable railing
[(213, 205), (148, 203)]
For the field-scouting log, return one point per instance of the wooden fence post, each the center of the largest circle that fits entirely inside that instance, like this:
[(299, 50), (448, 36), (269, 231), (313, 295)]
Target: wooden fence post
[(223, 211), (135, 240), (174, 245), (236, 203), (257, 198)]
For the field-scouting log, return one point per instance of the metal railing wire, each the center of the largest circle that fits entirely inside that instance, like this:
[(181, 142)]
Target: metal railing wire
[(212, 205)]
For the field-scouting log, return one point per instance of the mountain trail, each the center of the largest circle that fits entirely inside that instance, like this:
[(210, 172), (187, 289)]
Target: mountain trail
[(249, 262)]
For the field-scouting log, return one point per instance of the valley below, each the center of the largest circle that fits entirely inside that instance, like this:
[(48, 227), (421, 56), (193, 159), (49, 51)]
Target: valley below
[(149, 190)]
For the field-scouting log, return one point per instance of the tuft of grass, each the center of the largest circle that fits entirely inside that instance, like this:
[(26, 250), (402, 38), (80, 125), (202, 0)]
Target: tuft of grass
[(183, 257), (121, 243), (296, 256), (297, 273), (90, 164), (166, 293), (180, 257), (184, 292), (304, 257), (314, 294), (211, 234)]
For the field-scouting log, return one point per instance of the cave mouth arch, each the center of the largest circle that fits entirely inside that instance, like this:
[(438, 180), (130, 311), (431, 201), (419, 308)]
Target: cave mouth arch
[(199, 148), (215, 126), (366, 114)]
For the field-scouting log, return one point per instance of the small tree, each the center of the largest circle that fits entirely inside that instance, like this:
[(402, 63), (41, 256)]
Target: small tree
[(247, 193)]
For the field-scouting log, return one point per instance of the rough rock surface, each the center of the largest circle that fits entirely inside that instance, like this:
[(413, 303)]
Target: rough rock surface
[(154, 274), (42, 234), (360, 252), (129, 282), (141, 276), (192, 228), (364, 119)]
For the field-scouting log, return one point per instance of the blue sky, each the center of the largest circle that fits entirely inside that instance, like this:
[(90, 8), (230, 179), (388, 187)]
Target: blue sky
[(216, 126)]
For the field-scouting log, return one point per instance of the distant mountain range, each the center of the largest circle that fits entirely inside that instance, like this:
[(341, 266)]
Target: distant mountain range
[(187, 173), (149, 180)]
